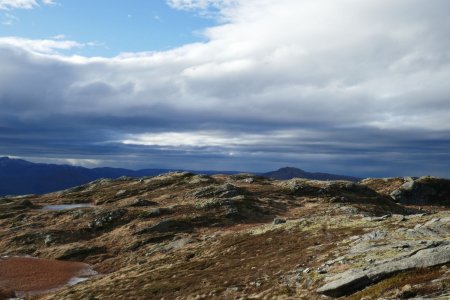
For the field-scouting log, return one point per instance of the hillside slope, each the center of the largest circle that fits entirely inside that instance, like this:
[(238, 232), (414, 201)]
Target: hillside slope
[(187, 236)]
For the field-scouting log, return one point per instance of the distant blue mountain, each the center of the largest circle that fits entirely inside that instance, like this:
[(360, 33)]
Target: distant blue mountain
[(20, 177), (289, 173)]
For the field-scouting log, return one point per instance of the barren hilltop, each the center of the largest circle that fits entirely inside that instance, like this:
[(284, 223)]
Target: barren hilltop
[(187, 236)]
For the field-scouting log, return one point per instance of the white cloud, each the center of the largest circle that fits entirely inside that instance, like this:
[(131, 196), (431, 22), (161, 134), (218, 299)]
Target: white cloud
[(313, 61), (193, 139), (207, 8), (59, 37), (201, 4), (23, 4), (40, 46), (220, 138), (49, 2), (90, 163), (18, 4), (328, 66), (9, 19)]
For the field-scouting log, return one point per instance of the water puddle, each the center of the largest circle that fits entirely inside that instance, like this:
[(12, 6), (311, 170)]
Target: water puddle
[(65, 206), (29, 276)]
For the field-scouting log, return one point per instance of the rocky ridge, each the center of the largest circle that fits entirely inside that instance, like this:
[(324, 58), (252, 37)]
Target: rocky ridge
[(186, 236)]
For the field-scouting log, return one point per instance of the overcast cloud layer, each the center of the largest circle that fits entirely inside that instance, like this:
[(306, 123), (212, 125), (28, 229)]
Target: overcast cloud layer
[(348, 86)]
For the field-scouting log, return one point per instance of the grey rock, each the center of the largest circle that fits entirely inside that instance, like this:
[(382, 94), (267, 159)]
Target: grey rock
[(378, 219), (121, 193), (278, 221), (408, 186), (249, 180), (374, 235), (48, 240), (222, 191), (353, 280), (338, 199), (201, 179), (396, 195), (106, 219), (423, 191), (214, 203)]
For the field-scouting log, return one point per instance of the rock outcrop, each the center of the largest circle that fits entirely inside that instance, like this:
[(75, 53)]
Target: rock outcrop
[(423, 191), (354, 280)]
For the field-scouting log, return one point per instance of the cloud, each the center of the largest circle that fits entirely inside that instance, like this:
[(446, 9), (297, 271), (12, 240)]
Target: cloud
[(9, 19), (49, 2), (357, 87), (194, 139), (23, 4), (218, 9), (201, 4), (40, 46), (18, 4), (59, 37)]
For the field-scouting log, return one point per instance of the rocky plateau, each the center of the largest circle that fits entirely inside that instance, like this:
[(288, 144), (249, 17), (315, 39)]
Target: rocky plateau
[(186, 236)]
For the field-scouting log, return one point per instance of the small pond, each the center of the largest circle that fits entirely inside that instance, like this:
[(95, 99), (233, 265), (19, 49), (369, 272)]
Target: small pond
[(66, 206), (28, 276)]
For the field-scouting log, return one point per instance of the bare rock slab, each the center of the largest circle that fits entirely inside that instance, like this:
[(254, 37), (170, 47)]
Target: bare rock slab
[(354, 280)]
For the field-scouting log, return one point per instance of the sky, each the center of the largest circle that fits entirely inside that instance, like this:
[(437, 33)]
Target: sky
[(344, 86)]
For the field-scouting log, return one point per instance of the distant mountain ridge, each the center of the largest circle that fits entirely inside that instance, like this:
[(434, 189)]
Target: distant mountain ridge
[(289, 173), (20, 177)]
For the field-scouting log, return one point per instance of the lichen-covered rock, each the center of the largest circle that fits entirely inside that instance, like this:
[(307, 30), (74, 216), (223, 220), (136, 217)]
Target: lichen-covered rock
[(106, 219), (302, 187), (278, 221), (218, 191), (423, 191), (356, 279), (197, 179), (214, 203)]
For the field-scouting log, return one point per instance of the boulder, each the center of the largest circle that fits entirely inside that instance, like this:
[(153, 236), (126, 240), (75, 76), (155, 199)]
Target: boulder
[(201, 179), (105, 219), (218, 191), (353, 280), (278, 221), (423, 191)]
